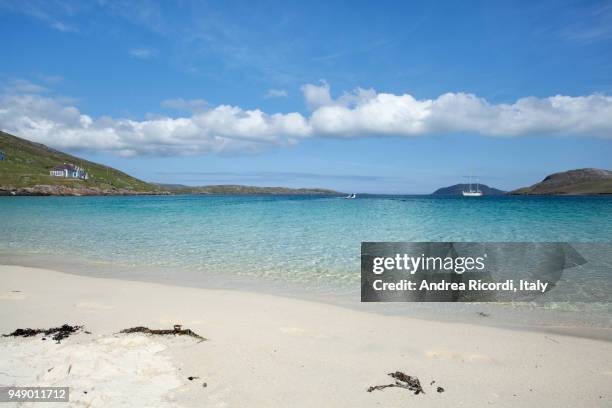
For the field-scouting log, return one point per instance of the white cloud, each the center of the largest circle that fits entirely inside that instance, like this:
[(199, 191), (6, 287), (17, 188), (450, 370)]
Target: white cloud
[(223, 128), (361, 113), (316, 96), (143, 53), (367, 113), (276, 93)]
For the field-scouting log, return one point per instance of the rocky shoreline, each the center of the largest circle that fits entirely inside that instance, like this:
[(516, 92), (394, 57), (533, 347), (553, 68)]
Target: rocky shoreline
[(48, 190)]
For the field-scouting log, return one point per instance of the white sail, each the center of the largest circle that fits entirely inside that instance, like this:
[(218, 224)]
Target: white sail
[(471, 192)]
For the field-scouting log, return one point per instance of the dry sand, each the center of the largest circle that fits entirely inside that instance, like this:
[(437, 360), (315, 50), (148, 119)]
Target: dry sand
[(267, 351)]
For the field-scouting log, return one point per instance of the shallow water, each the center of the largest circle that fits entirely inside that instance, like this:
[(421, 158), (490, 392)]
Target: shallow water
[(294, 243)]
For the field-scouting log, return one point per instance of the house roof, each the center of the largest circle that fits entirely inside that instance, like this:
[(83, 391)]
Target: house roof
[(65, 166)]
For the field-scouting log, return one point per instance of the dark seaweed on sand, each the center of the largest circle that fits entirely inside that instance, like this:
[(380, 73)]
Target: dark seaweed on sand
[(59, 333), (177, 331)]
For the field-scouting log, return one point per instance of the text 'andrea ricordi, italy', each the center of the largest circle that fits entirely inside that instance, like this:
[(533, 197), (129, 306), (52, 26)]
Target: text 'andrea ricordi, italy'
[(436, 271)]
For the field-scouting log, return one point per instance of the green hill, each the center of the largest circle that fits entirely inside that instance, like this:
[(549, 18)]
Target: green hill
[(27, 164), (234, 189), (572, 182)]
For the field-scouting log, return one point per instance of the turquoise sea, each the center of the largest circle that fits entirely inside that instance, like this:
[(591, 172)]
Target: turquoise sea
[(293, 244)]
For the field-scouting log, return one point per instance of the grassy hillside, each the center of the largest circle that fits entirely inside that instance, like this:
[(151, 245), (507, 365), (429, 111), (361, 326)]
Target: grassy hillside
[(572, 182), (27, 164), (244, 190)]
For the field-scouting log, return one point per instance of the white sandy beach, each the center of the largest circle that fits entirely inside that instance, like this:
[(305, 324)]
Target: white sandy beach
[(267, 351)]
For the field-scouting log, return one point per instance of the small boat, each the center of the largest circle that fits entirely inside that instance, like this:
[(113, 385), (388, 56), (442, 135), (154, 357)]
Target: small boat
[(471, 192), (351, 196)]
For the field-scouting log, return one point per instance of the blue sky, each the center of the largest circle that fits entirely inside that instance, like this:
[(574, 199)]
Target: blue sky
[(389, 97)]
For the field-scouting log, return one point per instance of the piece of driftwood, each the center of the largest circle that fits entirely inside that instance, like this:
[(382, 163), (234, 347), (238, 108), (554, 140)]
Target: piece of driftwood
[(401, 381), (382, 387), (177, 331), (58, 333)]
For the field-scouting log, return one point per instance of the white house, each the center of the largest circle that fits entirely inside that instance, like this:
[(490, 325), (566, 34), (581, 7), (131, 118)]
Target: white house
[(69, 170)]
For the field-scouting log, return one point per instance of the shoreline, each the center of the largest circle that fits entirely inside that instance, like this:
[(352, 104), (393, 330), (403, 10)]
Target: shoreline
[(55, 190), (517, 316), (46, 190), (266, 350)]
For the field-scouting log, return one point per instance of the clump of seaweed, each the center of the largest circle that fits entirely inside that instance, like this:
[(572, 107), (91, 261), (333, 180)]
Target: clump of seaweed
[(177, 331), (59, 333), (401, 381)]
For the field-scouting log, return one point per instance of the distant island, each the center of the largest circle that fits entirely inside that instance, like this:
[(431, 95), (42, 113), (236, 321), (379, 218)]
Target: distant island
[(573, 182), (28, 168), (235, 189), (457, 189)]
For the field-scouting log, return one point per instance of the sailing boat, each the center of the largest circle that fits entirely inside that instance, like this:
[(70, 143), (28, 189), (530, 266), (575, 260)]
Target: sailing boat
[(471, 192)]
